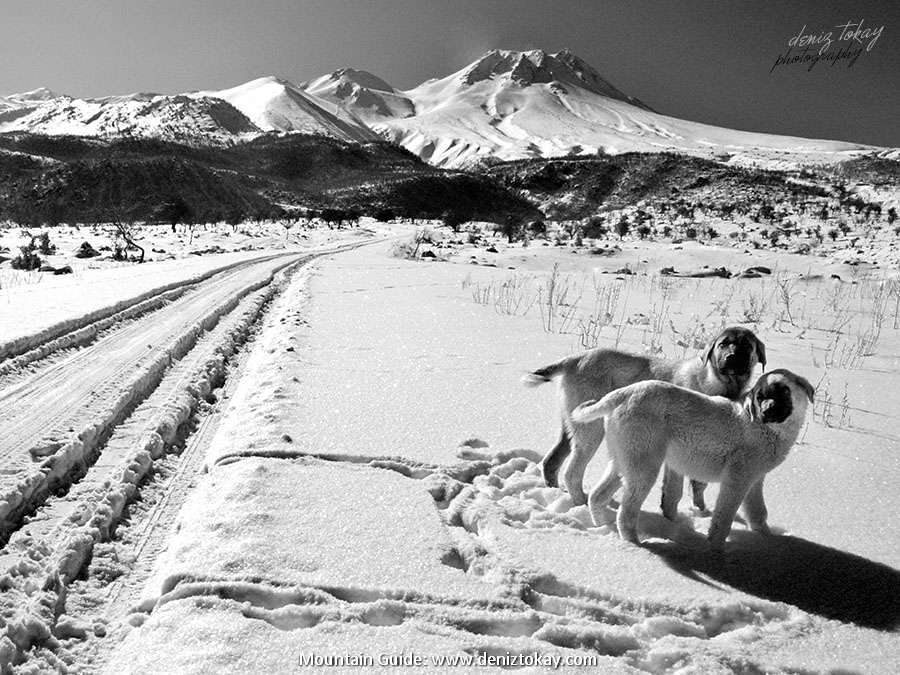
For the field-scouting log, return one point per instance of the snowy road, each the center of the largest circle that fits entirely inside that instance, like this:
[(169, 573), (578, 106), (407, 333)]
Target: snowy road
[(84, 425), (54, 419)]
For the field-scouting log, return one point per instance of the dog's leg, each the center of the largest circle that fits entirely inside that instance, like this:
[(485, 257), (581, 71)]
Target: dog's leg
[(731, 494), (755, 508), (555, 458), (637, 487), (672, 487), (697, 490), (585, 440), (602, 493)]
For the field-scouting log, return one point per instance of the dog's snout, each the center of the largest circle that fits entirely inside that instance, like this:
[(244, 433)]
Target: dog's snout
[(737, 360)]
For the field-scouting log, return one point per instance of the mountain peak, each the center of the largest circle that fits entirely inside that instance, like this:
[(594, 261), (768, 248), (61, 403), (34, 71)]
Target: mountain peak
[(361, 93), (267, 80), (361, 78), (35, 95), (536, 66)]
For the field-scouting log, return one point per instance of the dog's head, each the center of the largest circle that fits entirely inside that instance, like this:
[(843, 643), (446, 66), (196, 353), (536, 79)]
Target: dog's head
[(779, 395), (734, 354)]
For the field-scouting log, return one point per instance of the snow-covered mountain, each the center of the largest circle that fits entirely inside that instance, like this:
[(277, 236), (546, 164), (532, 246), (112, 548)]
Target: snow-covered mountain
[(369, 97), (180, 118), (505, 105), (513, 105), (274, 104), (220, 117), (25, 101)]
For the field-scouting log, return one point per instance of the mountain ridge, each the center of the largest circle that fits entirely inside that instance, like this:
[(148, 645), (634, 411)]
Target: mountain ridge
[(505, 105)]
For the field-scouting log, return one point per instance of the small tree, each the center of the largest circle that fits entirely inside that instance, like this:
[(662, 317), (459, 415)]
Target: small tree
[(537, 228), (234, 217), (125, 231), (27, 258), (383, 214), (453, 219), (622, 227), (595, 227), (511, 228), (175, 211), (44, 245)]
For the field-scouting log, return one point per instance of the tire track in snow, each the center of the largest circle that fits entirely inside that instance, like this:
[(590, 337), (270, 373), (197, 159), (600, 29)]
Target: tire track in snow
[(55, 423), (49, 551)]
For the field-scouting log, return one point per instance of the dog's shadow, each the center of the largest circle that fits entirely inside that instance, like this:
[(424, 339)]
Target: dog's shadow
[(783, 568)]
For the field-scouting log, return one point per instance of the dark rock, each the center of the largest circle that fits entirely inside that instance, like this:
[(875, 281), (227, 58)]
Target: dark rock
[(65, 269), (492, 249), (47, 268), (86, 251)]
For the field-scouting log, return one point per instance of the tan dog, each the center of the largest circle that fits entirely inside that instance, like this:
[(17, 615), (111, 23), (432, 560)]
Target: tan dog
[(713, 439), (724, 369)]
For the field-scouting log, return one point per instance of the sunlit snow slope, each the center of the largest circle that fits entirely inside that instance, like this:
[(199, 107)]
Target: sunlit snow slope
[(513, 105), (274, 104), (369, 97)]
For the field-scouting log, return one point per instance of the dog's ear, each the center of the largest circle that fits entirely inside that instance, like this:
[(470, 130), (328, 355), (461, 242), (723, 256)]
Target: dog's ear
[(752, 408), (708, 352), (807, 387), (760, 351)]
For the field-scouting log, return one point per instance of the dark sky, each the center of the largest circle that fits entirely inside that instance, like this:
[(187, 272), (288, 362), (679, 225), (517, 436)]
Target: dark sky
[(704, 61)]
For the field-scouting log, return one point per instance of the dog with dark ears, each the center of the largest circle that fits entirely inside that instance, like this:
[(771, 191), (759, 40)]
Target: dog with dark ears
[(709, 438)]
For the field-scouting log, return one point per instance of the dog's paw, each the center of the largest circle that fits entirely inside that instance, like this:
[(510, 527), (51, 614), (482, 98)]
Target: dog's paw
[(578, 499), (761, 528), (603, 516)]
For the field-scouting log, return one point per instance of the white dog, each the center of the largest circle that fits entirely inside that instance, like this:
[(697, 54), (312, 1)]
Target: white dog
[(709, 438), (724, 369)]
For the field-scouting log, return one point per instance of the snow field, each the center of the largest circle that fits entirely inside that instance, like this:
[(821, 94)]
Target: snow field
[(356, 428)]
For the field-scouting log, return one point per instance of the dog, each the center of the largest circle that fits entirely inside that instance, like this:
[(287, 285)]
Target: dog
[(711, 438), (723, 369)]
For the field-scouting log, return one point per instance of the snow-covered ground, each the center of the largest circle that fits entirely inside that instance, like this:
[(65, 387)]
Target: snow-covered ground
[(372, 489), (32, 303)]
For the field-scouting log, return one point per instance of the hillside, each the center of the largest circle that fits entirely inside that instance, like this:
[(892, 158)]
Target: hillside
[(67, 179), (577, 187)]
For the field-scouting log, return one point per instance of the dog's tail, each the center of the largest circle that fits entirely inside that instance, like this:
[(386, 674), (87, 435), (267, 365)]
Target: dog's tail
[(543, 375), (589, 411)]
